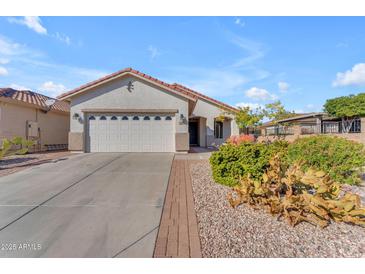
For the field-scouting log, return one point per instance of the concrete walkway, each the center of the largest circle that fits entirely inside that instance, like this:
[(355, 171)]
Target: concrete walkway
[(90, 205)]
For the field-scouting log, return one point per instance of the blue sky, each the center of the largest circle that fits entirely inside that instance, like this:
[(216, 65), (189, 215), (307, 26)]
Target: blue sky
[(301, 61)]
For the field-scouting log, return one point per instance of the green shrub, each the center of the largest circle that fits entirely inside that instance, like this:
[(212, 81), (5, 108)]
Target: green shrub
[(7, 145), (340, 158), (232, 161)]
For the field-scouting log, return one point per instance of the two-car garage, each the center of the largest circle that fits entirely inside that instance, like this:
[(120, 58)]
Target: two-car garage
[(130, 132), (129, 111)]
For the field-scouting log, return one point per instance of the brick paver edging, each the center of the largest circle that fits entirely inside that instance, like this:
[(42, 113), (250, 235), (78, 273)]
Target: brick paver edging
[(178, 232)]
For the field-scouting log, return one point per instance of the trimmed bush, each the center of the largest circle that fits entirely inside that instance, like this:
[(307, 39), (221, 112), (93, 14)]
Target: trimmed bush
[(340, 158), (231, 162)]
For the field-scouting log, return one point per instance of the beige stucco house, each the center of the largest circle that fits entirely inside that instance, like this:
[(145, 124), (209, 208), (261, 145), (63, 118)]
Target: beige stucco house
[(129, 111), (26, 114)]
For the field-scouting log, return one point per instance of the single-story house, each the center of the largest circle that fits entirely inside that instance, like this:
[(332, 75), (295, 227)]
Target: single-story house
[(34, 116), (307, 124), (129, 111)]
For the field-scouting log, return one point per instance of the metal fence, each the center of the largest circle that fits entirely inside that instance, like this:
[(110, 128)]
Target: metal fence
[(280, 130), (326, 127), (331, 127)]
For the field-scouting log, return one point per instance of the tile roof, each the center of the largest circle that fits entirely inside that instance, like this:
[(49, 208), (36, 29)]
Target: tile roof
[(175, 87), (112, 75), (297, 116), (35, 99)]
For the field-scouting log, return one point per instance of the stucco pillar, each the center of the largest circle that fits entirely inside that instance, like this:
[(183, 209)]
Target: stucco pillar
[(76, 141), (362, 133), (182, 141), (203, 132), (263, 131), (296, 131), (362, 124)]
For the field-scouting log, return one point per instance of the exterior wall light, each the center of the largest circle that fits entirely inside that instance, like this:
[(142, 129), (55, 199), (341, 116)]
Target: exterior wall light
[(182, 119), (130, 86), (76, 116)]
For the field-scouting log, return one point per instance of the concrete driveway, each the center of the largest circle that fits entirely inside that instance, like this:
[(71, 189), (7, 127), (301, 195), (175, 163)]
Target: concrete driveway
[(88, 205)]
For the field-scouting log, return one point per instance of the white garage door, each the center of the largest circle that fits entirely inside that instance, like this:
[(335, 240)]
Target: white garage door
[(131, 133)]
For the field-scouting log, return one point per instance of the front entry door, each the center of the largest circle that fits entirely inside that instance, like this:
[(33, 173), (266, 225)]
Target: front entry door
[(193, 132)]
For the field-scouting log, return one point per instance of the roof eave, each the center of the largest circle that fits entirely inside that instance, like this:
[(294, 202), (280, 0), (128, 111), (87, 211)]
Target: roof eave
[(67, 96)]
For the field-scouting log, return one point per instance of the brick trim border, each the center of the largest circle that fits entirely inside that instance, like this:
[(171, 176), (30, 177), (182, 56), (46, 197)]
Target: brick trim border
[(178, 235)]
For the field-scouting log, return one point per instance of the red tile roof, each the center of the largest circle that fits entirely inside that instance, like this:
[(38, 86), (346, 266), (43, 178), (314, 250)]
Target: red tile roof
[(35, 99), (175, 87), (110, 76)]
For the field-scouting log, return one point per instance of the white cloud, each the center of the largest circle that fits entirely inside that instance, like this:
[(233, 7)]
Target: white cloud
[(260, 94), (62, 38), (3, 71), (355, 76), (8, 47), (32, 22), (4, 61), (342, 45), (254, 50), (10, 50), (32, 67), (86, 73), (313, 108), (252, 106), (227, 80), (283, 86), (298, 111), (154, 52), (52, 89), (213, 82), (19, 87), (239, 22)]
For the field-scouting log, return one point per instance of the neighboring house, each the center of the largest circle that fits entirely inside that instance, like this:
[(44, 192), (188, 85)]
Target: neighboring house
[(25, 113), (312, 123), (129, 111)]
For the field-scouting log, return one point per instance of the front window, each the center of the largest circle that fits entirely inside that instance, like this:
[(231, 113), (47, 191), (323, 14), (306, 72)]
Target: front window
[(218, 129)]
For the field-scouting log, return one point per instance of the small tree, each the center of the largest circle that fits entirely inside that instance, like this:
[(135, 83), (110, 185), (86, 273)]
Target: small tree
[(347, 108), (276, 112), (247, 117)]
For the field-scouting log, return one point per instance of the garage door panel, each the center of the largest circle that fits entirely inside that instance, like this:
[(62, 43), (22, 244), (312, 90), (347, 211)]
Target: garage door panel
[(135, 136), (92, 129), (124, 133), (114, 136), (146, 136), (131, 133), (100, 135)]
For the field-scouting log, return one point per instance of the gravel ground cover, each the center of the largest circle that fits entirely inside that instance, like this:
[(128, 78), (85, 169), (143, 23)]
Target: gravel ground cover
[(16, 163), (245, 232)]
